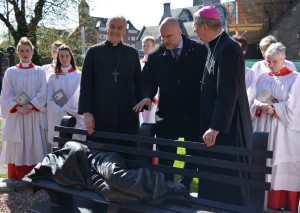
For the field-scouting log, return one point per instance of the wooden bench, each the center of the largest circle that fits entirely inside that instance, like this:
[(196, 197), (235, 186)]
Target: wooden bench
[(62, 198)]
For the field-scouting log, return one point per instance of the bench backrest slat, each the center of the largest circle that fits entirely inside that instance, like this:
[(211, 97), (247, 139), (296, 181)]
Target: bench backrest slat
[(168, 142)]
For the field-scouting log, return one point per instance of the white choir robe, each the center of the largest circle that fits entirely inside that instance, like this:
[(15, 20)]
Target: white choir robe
[(261, 67), (70, 84), (49, 69), (24, 136), (148, 116), (284, 131), (249, 77)]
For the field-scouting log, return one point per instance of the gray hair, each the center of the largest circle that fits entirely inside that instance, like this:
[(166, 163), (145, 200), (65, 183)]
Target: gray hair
[(117, 17), (276, 49), (267, 41), (211, 23)]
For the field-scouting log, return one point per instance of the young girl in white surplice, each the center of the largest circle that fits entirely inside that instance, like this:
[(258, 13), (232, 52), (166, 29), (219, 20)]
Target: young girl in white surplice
[(23, 101), (63, 92)]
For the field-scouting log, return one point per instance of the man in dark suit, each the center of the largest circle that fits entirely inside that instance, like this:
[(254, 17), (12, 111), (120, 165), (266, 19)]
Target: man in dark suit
[(175, 67)]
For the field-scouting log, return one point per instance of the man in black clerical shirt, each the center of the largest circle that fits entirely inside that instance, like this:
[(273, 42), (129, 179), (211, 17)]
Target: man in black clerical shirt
[(225, 115), (175, 67), (109, 82)]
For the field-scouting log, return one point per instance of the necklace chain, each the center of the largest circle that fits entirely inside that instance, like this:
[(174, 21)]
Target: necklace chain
[(209, 62), (115, 63)]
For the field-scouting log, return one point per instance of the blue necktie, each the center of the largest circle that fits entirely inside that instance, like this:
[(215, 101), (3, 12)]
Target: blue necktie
[(176, 53)]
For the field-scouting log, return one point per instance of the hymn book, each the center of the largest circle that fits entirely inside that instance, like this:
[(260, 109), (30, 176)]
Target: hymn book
[(22, 98), (266, 97), (60, 98)]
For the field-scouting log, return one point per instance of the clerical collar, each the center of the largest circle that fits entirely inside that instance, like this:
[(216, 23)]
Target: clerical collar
[(113, 45), (68, 69), (284, 71), (23, 65)]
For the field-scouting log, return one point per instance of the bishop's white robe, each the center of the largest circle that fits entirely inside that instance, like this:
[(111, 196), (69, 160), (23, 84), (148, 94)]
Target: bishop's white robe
[(24, 136), (69, 83), (284, 129)]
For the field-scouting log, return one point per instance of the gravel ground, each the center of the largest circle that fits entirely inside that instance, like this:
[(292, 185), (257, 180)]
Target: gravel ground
[(19, 202)]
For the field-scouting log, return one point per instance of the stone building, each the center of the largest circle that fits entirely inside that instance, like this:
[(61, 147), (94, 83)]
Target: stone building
[(258, 18)]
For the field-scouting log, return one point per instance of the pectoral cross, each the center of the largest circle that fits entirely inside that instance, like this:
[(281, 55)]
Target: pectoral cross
[(115, 74)]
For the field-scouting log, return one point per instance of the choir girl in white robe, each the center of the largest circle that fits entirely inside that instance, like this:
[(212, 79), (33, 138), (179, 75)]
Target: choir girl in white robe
[(148, 116), (24, 133), (49, 68), (261, 66), (275, 108), (67, 79)]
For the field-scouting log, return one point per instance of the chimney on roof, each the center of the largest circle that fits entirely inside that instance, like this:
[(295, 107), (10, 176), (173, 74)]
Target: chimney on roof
[(167, 10)]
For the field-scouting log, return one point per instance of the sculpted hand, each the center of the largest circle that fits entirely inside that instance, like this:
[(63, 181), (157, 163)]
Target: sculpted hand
[(210, 136), (139, 107), (89, 122), (23, 109)]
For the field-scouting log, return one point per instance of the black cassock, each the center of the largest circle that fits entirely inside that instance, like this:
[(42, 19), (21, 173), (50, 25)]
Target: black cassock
[(224, 107), (109, 83)]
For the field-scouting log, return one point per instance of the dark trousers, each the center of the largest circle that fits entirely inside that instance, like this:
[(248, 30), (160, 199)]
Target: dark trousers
[(174, 135)]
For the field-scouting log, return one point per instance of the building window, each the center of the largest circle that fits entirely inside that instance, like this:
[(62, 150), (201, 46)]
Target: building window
[(102, 28), (102, 36), (132, 38), (184, 17), (128, 38), (132, 31)]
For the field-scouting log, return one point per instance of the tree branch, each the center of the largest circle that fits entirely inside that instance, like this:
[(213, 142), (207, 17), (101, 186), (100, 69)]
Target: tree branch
[(7, 24), (38, 14)]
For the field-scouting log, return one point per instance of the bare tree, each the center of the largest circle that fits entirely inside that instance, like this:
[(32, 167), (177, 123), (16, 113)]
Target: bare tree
[(22, 17)]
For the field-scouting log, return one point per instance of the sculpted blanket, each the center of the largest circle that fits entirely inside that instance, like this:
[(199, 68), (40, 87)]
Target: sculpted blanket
[(75, 165)]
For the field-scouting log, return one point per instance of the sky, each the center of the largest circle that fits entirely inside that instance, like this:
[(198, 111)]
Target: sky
[(139, 12)]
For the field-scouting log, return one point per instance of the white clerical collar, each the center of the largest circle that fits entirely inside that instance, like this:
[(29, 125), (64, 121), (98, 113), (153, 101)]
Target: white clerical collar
[(66, 69), (25, 64)]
